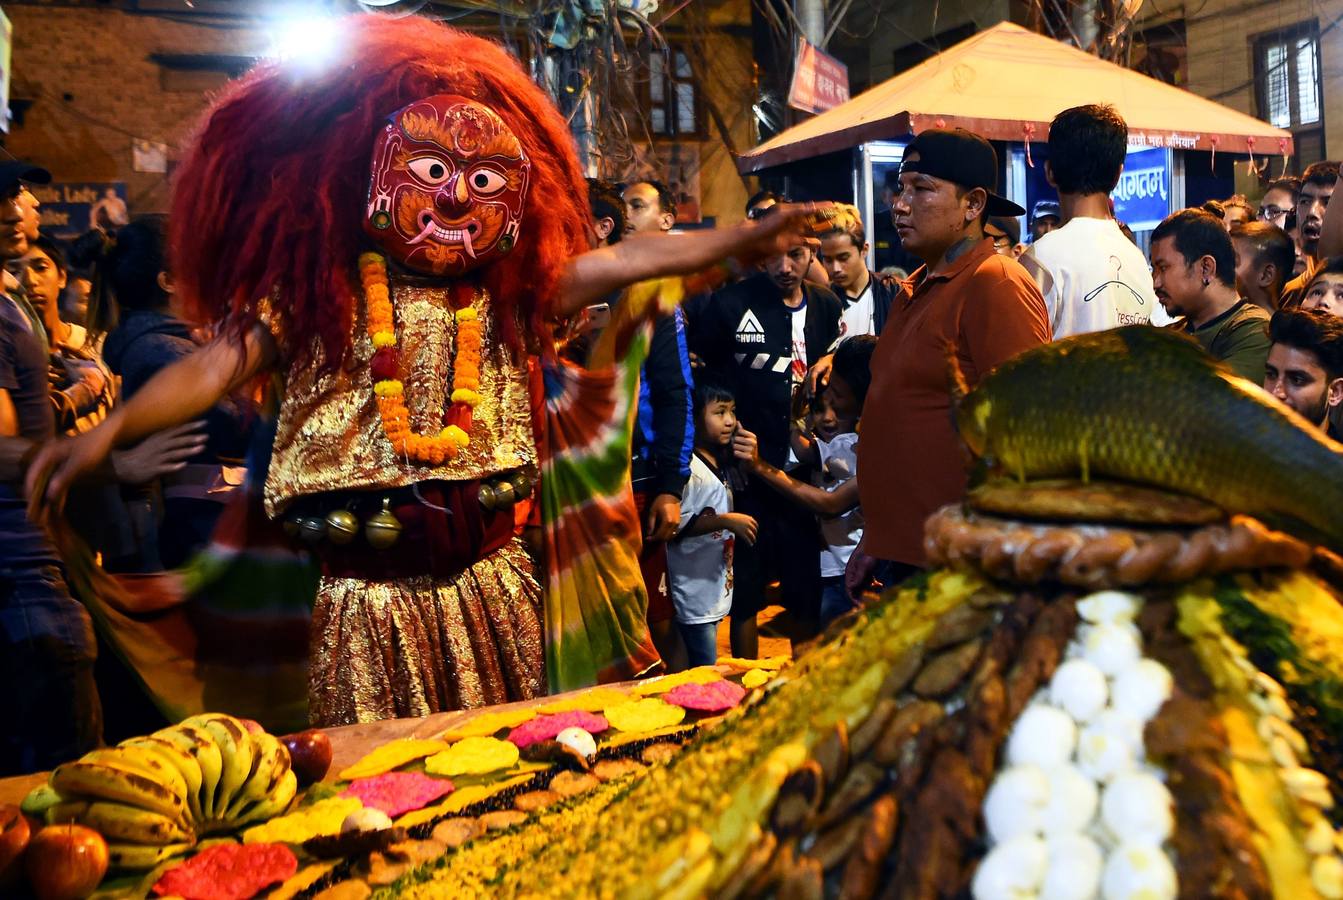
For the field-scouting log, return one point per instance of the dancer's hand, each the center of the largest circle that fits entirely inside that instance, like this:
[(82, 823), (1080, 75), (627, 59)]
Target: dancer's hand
[(779, 230), (62, 462), (159, 454)]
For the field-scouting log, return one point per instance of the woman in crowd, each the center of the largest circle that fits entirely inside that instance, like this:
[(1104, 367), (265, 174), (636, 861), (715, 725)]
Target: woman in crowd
[(83, 389)]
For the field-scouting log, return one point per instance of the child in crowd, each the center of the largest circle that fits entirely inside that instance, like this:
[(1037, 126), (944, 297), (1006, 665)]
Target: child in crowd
[(833, 447), (1325, 290), (699, 559)]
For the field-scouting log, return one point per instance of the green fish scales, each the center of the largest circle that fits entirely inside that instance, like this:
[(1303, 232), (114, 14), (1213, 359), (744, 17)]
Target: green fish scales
[(1147, 406)]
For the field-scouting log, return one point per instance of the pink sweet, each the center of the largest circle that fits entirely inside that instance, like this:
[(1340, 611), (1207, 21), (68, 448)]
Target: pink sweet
[(398, 792), (547, 728), (715, 696)]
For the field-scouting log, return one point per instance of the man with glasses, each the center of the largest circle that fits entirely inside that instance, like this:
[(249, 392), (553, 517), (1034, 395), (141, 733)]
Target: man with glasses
[(1005, 232), (1091, 275), (1317, 186), (1279, 203)]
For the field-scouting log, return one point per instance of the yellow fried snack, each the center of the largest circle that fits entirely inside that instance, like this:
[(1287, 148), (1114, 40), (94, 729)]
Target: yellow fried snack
[(592, 700), (323, 817), (770, 663), (697, 675), (489, 722), (648, 714), (459, 800), (391, 755), (473, 756), (755, 677)]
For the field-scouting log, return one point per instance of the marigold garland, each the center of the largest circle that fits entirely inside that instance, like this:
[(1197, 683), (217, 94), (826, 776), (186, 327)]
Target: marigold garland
[(386, 365)]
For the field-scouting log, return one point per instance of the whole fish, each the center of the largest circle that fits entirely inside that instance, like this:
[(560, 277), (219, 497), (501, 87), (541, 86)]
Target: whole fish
[(1147, 406)]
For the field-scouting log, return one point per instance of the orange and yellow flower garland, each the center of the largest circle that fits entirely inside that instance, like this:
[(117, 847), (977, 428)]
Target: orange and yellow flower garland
[(385, 368)]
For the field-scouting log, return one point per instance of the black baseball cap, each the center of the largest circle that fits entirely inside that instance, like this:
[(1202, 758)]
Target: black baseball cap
[(961, 157), (1045, 208), (13, 171)]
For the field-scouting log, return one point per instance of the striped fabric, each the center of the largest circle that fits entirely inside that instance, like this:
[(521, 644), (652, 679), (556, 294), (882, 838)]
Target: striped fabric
[(595, 602)]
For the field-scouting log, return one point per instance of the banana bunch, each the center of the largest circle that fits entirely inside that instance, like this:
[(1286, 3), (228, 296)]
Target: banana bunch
[(153, 797)]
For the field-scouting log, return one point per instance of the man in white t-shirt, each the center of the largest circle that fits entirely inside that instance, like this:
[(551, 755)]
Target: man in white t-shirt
[(1091, 275), (865, 296)]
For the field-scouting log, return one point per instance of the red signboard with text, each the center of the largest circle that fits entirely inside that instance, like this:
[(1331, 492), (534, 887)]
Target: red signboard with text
[(820, 81)]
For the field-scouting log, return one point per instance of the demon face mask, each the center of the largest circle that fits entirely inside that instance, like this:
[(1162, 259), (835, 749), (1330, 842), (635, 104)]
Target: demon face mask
[(447, 186)]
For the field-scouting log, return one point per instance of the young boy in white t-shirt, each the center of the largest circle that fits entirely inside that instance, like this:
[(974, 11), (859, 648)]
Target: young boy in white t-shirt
[(699, 558)]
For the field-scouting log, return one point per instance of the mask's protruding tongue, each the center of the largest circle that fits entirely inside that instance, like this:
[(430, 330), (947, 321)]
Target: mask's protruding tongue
[(423, 235)]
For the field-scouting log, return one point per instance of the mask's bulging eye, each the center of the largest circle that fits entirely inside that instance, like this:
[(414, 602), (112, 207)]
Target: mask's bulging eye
[(430, 169), (486, 182)]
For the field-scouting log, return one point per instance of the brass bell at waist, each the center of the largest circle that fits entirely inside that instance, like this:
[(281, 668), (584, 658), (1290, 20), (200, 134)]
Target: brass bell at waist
[(341, 526), (503, 494), (486, 496), (382, 529), (311, 529), (522, 485)]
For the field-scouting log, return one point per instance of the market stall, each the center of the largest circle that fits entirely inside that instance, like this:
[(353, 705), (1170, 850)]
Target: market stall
[(1007, 84)]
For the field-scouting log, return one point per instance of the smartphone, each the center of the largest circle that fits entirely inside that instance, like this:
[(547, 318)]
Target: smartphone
[(594, 318)]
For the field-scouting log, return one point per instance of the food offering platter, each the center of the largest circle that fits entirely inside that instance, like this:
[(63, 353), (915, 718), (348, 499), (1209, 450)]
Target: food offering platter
[(960, 737), (215, 807)]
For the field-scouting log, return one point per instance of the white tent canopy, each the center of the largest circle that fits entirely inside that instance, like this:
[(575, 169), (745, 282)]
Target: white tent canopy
[(1007, 84)]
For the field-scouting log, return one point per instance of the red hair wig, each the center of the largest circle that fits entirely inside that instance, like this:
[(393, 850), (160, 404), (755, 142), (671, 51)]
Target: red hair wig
[(269, 199)]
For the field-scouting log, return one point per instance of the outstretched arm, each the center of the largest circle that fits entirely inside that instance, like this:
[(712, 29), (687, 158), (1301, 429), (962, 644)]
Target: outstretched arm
[(179, 393), (597, 273), (821, 502)]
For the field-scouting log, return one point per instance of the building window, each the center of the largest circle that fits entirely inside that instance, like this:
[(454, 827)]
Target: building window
[(673, 103), (1290, 90)]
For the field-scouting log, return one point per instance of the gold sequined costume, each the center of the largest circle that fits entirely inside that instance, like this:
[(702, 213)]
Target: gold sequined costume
[(413, 646)]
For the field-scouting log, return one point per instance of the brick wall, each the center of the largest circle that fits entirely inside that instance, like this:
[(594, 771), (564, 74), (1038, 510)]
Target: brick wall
[(93, 88)]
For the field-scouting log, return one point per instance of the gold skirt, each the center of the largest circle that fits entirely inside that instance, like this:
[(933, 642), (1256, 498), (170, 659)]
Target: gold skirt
[(407, 648)]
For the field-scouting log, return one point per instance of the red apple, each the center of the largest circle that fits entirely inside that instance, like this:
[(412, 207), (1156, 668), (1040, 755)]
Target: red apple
[(252, 725), (14, 834), (309, 754), (65, 862)]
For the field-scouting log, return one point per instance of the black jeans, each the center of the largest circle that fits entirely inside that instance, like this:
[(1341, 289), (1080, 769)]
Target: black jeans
[(787, 549), (48, 699)]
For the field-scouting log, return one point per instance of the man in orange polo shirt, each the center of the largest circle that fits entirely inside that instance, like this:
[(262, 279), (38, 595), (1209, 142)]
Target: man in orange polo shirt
[(986, 306)]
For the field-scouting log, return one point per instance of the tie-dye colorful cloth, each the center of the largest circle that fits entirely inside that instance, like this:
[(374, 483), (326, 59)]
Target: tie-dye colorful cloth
[(595, 602)]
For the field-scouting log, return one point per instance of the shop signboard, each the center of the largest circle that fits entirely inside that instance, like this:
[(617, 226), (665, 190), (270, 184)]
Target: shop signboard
[(70, 208), (1142, 197), (820, 81)]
